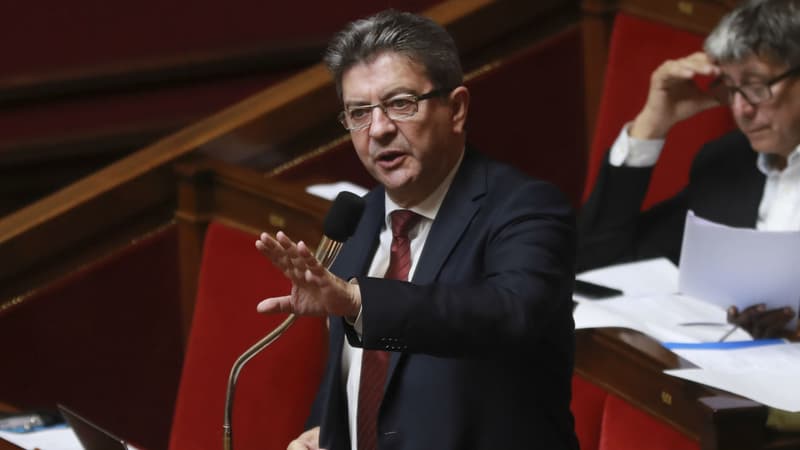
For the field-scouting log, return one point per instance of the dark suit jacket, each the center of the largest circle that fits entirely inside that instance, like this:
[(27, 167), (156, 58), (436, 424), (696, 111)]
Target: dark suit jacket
[(724, 186), (482, 338)]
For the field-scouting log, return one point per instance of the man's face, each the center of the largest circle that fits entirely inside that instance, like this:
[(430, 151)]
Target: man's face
[(772, 126), (409, 157)]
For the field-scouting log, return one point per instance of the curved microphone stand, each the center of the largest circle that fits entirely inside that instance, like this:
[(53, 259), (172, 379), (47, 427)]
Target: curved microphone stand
[(326, 253)]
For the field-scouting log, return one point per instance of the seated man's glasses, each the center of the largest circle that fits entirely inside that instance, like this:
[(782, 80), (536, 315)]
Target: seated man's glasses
[(400, 107), (754, 93)]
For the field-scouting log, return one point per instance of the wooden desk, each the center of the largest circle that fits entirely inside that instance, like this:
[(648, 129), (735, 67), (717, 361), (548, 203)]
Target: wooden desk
[(630, 365), (5, 445)]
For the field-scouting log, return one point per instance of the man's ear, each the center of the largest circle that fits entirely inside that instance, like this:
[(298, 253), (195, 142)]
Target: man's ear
[(459, 99)]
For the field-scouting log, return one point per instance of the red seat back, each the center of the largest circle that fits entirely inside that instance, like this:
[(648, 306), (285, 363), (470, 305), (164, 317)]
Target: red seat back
[(604, 421), (626, 427), (638, 46), (276, 388), (588, 404)]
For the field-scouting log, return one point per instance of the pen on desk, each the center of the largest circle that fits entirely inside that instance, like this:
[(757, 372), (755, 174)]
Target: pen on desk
[(728, 333), (703, 324)]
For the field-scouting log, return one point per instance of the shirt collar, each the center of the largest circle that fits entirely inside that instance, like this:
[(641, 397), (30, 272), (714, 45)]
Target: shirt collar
[(764, 165), (429, 207)]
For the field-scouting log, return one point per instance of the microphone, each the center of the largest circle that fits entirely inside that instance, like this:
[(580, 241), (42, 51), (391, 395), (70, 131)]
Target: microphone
[(340, 223)]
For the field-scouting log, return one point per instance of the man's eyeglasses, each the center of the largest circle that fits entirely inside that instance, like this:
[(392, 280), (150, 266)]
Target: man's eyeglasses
[(400, 107), (753, 93)]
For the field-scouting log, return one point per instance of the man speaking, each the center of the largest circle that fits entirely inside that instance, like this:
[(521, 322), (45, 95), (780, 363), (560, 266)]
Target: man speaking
[(450, 307)]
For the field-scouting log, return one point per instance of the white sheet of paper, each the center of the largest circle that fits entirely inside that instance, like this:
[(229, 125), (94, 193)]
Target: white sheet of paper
[(766, 374), (666, 318), (647, 277), (329, 191), (739, 266), (780, 358), (52, 438)]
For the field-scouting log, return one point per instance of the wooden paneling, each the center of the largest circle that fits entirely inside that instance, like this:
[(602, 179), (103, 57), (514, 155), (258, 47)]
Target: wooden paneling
[(136, 76), (300, 109), (239, 197)]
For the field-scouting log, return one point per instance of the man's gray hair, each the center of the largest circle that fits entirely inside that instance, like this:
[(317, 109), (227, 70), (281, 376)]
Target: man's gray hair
[(418, 38), (764, 28)]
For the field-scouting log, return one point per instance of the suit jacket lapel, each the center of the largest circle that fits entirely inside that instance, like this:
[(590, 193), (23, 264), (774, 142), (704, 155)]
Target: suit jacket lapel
[(459, 206)]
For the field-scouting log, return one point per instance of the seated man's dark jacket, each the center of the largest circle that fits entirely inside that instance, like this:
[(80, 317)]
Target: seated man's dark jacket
[(725, 186), (482, 337)]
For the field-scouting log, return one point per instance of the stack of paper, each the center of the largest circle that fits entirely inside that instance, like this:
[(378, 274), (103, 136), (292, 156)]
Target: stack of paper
[(767, 374), (723, 266), (59, 437), (740, 266), (651, 305)]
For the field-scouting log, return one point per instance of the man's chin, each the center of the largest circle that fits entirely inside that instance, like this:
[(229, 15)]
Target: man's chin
[(394, 183), (769, 147), (760, 142)]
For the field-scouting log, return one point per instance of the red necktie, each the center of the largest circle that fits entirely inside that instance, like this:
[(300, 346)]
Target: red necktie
[(375, 363)]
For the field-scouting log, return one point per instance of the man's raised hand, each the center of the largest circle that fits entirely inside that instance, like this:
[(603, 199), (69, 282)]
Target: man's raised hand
[(674, 95), (315, 291)]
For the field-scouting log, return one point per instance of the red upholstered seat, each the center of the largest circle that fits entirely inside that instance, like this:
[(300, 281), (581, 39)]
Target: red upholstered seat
[(604, 421), (277, 387), (588, 403), (628, 428), (639, 46)]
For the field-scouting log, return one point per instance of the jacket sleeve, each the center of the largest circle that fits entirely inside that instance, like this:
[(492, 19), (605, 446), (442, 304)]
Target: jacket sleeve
[(506, 284), (613, 229)]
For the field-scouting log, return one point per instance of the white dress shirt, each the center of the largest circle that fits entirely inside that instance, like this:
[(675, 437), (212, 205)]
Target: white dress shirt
[(428, 209), (779, 209)]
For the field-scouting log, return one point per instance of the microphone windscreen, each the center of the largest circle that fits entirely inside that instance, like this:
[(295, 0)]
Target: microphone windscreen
[(342, 218)]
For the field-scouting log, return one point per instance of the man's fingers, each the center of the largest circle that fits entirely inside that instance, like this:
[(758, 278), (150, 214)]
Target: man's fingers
[(285, 241), (749, 315), (274, 305), (760, 322), (772, 323), (683, 70), (733, 314), (700, 64), (266, 243), (292, 259), (310, 261), (271, 248), (309, 440)]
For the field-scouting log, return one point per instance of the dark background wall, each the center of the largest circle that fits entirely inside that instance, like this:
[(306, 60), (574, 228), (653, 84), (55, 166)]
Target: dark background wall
[(85, 82)]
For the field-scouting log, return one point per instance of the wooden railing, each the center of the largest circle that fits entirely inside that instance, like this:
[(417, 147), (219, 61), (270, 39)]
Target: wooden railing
[(108, 208)]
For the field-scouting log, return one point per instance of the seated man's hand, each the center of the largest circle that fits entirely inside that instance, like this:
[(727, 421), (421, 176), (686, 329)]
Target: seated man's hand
[(760, 322), (674, 96)]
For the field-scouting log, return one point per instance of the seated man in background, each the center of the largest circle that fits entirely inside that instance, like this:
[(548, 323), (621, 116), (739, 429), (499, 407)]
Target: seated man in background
[(747, 178), (450, 307)]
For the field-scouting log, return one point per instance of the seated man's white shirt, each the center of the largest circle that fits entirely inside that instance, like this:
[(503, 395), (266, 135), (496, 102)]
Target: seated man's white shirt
[(779, 209), (780, 205), (351, 356), (631, 152)]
